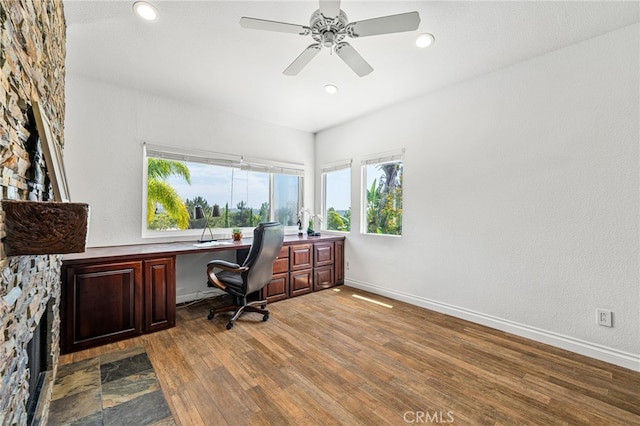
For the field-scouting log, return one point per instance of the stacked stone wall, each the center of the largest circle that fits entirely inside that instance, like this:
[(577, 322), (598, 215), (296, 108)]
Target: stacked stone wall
[(32, 56)]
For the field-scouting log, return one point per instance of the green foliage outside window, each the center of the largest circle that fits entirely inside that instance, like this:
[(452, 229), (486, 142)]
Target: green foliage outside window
[(170, 180), (384, 201), (337, 198), (338, 222), (241, 217), (165, 208)]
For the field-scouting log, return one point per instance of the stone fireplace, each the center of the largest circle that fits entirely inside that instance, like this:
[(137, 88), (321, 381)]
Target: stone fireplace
[(32, 56), (23, 314)]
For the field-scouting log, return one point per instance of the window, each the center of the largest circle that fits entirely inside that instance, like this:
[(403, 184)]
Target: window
[(336, 196), (286, 198), (246, 191), (382, 195)]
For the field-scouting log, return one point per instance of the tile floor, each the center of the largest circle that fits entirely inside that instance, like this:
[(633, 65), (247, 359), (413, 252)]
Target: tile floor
[(112, 389)]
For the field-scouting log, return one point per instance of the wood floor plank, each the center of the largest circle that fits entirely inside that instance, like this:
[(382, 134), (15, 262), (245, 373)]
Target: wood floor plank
[(329, 358), (183, 404), (201, 397), (314, 407)]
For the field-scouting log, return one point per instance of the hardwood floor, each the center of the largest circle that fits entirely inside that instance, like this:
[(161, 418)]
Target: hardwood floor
[(332, 358)]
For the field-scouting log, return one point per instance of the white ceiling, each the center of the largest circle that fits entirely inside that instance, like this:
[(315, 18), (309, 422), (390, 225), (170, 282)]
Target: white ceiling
[(198, 53)]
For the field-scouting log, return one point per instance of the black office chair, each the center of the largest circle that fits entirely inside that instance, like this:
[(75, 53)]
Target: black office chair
[(252, 276)]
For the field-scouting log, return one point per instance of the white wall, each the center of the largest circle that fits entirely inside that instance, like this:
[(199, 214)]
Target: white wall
[(521, 198), (104, 130)]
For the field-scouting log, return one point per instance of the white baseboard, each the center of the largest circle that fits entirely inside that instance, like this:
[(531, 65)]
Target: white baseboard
[(592, 350)]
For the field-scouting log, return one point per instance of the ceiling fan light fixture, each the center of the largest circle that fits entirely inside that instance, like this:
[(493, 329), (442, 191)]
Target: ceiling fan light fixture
[(425, 40), (146, 11), (331, 89), (328, 26)]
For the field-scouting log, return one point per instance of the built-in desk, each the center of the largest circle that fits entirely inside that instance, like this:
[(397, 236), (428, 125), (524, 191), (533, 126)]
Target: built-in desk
[(114, 293)]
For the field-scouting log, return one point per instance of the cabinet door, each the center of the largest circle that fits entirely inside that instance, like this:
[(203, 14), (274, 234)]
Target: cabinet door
[(300, 282), (323, 254), (278, 288), (159, 294), (339, 264), (300, 257), (103, 303), (323, 278)]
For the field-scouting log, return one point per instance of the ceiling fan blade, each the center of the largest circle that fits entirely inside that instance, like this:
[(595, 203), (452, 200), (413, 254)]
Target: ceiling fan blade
[(303, 59), (352, 58), (330, 8), (385, 25), (281, 27)]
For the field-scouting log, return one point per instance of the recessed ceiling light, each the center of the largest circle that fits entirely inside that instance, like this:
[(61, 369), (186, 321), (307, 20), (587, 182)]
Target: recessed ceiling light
[(425, 40), (331, 89), (145, 10)]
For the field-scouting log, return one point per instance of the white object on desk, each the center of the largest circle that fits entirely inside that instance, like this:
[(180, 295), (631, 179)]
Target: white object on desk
[(213, 244)]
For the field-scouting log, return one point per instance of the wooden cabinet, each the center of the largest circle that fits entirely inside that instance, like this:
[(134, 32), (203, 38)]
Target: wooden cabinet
[(324, 260), (101, 304), (114, 293), (159, 294), (303, 267), (278, 288), (106, 302)]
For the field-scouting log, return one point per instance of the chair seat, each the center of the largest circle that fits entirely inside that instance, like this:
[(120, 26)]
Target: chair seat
[(231, 279)]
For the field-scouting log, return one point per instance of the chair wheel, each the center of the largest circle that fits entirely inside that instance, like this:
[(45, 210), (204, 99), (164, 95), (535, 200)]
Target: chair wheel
[(229, 325), (266, 317), (210, 316), (264, 305)]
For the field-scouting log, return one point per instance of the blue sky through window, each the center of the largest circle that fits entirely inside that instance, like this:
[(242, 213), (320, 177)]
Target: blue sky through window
[(338, 190)]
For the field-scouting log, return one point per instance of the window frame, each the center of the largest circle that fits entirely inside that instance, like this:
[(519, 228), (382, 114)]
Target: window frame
[(376, 159), (220, 159), (328, 168)]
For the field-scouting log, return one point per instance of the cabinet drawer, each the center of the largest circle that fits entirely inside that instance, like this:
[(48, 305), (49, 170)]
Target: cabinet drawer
[(323, 278), (278, 288), (323, 254), (284, 252), (281, 265), (300, 282), (300, 256)]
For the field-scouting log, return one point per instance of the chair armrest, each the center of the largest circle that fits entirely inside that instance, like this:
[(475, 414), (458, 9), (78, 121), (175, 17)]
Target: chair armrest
[(227, 266)]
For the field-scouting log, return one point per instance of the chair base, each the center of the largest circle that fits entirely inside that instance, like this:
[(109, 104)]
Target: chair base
[(240, 306)]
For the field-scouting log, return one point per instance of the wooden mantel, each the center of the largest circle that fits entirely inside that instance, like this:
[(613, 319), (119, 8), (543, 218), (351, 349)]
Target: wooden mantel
[(44, 227)]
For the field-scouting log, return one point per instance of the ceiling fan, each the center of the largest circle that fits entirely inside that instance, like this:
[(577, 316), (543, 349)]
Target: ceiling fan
[(328, 26)]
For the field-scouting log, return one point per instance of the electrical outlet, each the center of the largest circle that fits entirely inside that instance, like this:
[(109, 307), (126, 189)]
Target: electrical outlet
[(347, 265), (604, 317)]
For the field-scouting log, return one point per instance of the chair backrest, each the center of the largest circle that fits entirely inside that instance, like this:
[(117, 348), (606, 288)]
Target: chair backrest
[(267, 242)]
